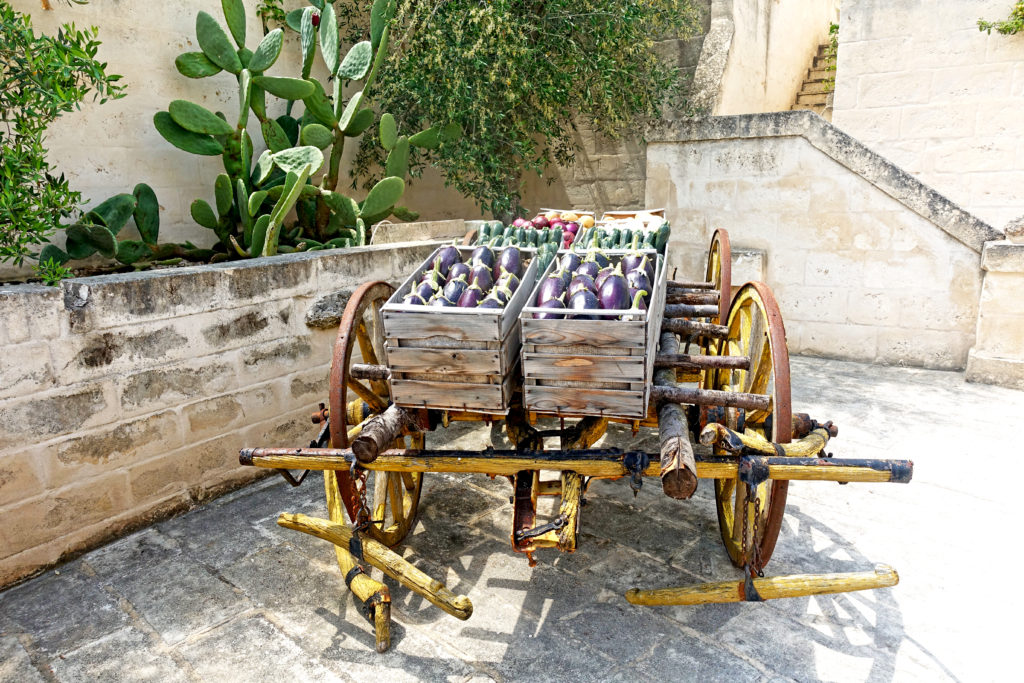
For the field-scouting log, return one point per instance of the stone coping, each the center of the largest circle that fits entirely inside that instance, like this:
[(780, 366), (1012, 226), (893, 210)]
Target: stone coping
[(1003, 257), (845, 150)]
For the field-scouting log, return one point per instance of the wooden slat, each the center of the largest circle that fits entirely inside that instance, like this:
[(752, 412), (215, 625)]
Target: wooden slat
[(592, 332), (455, 361), (594, 368), (407, 325), (443, 395), (566, 401)]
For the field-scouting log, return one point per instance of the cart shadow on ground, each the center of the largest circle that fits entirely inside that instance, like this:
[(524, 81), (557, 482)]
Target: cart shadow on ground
[(567, 619)]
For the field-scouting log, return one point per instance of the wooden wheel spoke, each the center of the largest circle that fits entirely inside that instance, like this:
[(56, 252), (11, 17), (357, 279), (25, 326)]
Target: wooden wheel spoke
[(408, 480), (380, 498), (397, 496), (364, 392), (366, 349)]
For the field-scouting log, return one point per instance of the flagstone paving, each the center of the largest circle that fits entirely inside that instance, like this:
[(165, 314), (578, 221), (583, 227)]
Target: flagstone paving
[(223, 593)]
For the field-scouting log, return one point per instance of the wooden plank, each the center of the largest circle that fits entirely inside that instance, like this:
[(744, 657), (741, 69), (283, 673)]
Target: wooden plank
[(566, 401), (592, 368), (510, 314), (454, 361), (447, 395), (588, 332), (510, 349)]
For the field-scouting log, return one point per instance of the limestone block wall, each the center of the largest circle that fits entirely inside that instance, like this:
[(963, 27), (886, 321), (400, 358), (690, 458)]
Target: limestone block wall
[(867, 263), (125, 398), (918, 83), (998, 354)]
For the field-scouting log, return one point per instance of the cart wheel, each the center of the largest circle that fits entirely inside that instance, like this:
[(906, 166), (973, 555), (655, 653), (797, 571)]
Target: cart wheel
[(392, 497), (719, 271), (756, 331)]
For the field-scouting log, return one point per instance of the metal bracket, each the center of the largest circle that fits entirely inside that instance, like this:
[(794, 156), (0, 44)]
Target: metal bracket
[(753, 470), (523, 534), (291, 479), (635, 463)]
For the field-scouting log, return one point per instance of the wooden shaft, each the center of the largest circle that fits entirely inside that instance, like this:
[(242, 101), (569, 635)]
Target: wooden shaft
[(676, 284), (700, 297), (688, 361), (715, 434), (385, 559), (711, 397), (382, 627), (692, 327), (690, 311), (380, 431), (590, 463), (366, 371), (678, 469), (768, 588), (572, 494)]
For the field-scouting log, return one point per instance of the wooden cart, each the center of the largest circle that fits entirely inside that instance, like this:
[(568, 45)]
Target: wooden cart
[(721, 371)]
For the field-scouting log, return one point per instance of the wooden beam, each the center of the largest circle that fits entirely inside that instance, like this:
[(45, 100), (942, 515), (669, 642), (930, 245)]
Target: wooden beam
[(715, 434), (768, 588), (692, 327), (366, 371), (700, 297), (687, 361), (711, 397), (384, 559), (677, 284), (678, 469), (690, 311), (380, 431)]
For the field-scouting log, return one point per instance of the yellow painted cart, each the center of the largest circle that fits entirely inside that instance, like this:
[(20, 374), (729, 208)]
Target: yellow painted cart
[(721, 372)]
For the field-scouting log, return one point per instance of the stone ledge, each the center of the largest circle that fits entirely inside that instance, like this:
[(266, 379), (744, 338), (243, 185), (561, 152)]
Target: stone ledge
[(1003, 256), (843, 149), (1005, 372)]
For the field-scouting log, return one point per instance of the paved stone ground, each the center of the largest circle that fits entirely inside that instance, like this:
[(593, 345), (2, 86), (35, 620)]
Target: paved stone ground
[(222, 593)]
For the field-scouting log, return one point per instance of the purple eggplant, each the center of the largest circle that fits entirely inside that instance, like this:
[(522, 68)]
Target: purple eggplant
[(508, 281), (647, 265), (484, 255), (582, 281), (458, 270), (509, 261), (491, 302), (454, 289), (584, 300), (471, 297), (446, 258), (603, 274), (480, 275), (555, 303), (602, 260), (441, 301), (552, 287), (590, 268), (414, 299), (571, 261), (631, 260), (614, 293), (426, 289), (637, 279), (639, 304), (433, 273), (633, 292), (501, 293)]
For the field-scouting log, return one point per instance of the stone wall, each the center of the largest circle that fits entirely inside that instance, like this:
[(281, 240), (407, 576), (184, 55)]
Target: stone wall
[(867, 263), (125, 398), (998, 354), (918, 83)]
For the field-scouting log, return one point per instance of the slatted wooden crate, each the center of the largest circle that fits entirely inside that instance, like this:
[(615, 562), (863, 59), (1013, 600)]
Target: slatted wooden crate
[(574, 368), (463, 359)]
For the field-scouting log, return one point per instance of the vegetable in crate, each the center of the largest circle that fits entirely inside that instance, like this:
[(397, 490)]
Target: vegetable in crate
[(554, 304), (458, 270)]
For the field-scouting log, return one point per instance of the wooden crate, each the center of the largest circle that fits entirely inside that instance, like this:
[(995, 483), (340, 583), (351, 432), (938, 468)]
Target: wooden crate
[(455, 358), (575, 368)]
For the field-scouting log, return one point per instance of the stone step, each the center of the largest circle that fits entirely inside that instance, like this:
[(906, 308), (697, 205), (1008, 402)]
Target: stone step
[(822, 63), (818, 86), (818, 109), (813, 98), (820, 74)]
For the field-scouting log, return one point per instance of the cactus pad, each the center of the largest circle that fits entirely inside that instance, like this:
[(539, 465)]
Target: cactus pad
[(427, 139), (132, 251), (380, 15), (293, 160), (147, 213), (234, 14), (357, 62), (285, 88), (197, 119), (195, 65), (53, 253), (451, 133), (398, 159), (329, 37), (404, 214), (244, 97), (264, 167), (222, 192), (203, 214), (319, 106), (345, 207), (350, 110), (382, 196), (215, 43), (307, 33), (316, 135), (259, 235), (274, 135), (97, 237), (388, 131), (256, 201), (186, 140), (114, 212), (76, 245), (360, 122), (268, 51)]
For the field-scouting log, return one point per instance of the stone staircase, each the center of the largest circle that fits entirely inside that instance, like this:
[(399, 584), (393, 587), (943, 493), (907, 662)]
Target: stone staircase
[(816, 92)]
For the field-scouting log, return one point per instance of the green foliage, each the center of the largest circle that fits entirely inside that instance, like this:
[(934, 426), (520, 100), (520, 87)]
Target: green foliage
[(519, 77), (41, 78), (831, 53), (51, 271), (1012, 25)]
